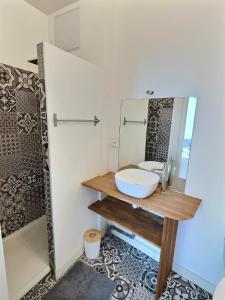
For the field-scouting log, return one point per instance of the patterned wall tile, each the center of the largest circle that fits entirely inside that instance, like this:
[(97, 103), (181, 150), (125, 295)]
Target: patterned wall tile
[(48, 210), (44, 137), (6, 76), (31, 161), (13, 213), (8, 123), (30, 143), (11, 186), (164, 132), (9, 144), (32, 179), (10, 164), (28, 123), (41, 68), (14, 221), (12, 203), (162, 153), (7, 100), (33, 198), (44, 126), (21, 156), (158, 129), (26, 80), (26, 102)]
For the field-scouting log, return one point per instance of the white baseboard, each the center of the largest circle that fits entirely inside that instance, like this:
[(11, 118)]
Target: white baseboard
[(139, 243), (62, 270), (154, 252)]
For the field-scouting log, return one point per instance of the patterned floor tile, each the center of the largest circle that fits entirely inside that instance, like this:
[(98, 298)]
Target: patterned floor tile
[(178, 291), (99, 266), (124, 289), (149, 279), (131, 268), (116, 242), (107, 261), (141, 293), (184, 281), (119, 262), (138, 254), (203, 295)]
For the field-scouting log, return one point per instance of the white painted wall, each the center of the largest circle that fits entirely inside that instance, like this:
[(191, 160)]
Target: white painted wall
[(71, 13), (97, 21), (73, 91), (175, 48), (22, 27), (132, 135)]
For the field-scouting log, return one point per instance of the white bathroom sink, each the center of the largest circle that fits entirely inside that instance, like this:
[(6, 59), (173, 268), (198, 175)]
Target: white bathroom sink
[(136, 182)]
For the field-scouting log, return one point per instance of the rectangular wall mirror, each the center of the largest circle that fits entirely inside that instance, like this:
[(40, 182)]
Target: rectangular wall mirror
[(156, 135)]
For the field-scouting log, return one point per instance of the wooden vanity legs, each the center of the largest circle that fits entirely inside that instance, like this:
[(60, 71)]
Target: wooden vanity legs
[(167, 252)]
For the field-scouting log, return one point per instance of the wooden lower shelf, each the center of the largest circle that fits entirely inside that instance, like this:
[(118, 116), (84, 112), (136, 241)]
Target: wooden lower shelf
[(136, 220)]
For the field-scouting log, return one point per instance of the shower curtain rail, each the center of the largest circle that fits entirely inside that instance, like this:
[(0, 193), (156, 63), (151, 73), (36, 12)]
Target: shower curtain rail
[(125, 121), (95, 121)]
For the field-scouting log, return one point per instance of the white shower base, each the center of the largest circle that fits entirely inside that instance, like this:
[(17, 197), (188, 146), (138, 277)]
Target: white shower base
[(26, 257)]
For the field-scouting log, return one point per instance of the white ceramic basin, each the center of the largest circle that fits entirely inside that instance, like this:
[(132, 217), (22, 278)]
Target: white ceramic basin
[(136, 182)]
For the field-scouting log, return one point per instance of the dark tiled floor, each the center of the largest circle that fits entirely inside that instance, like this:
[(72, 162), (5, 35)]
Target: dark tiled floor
[(134, 272)]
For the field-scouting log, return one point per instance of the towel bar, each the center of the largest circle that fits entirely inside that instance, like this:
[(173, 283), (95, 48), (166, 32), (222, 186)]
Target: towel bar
[(125, 121), (55, 120)]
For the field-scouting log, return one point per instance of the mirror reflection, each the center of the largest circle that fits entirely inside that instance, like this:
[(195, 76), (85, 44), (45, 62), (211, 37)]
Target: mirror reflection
[(156, 135)]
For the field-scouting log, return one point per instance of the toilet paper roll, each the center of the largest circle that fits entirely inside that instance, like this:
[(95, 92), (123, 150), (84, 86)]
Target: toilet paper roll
[(92, 240)]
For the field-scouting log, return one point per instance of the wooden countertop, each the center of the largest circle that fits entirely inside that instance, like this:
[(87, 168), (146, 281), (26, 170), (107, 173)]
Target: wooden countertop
[(169, 204)]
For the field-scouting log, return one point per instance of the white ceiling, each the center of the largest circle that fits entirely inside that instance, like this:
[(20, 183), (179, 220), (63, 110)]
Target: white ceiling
[(50, 6)]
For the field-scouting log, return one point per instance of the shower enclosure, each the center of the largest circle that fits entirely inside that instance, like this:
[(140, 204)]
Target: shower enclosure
[(22, 196), (35, 207)]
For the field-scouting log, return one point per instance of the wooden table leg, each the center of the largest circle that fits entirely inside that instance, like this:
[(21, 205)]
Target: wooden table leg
[(167, 252)]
